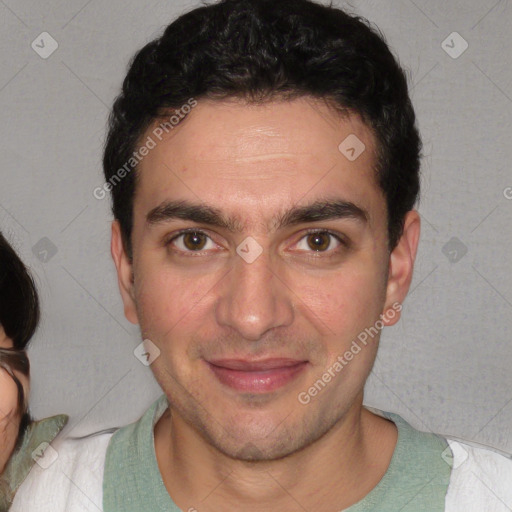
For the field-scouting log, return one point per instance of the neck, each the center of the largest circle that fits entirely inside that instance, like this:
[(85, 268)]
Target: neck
[(332, 473)]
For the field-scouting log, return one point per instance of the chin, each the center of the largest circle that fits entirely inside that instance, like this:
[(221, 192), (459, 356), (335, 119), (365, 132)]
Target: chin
[(259, 439), (259, 450)]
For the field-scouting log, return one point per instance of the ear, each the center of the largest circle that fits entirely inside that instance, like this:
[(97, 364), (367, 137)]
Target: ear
[(401, 265), (124, 273)]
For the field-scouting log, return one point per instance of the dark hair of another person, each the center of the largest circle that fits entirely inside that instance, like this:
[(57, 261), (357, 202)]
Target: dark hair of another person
[(260, 50), (19, 317)]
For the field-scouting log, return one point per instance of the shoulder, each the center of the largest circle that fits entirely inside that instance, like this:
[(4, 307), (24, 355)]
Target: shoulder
[(481, 478), (68, 477)]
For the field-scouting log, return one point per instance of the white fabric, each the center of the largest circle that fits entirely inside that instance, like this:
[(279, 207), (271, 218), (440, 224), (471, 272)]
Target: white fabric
[(73, 483), (481, 479)]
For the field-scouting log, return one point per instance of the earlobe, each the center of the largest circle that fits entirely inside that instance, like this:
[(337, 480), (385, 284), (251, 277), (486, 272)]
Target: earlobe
[(124, 270), (401, 266)]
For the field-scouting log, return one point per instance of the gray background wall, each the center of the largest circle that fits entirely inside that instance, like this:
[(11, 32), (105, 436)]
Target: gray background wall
[(445, 367)]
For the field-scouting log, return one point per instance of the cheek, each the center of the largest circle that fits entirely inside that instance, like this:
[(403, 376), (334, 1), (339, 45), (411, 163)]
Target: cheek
[(8, 394), (168, 301), (342, 302)]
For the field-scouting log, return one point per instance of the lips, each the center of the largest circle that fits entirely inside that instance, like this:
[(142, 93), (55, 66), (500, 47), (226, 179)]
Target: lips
[(254, 376), (250, 366)]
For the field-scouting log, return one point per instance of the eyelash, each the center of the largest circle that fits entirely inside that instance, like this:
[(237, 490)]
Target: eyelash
[(315, 254)]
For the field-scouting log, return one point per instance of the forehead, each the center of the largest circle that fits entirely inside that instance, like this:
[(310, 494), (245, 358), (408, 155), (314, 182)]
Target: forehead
[(260, 156)]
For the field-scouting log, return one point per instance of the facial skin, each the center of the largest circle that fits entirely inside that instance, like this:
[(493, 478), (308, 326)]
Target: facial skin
[(9, 417), (253, 164)]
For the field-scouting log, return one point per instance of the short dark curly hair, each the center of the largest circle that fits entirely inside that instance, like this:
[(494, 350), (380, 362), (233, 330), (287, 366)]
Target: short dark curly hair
[(261, 50)]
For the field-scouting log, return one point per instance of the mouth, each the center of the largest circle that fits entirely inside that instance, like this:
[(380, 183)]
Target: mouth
[(262, 376)]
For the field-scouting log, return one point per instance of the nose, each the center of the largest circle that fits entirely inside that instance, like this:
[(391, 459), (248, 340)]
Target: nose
[(254, 299)]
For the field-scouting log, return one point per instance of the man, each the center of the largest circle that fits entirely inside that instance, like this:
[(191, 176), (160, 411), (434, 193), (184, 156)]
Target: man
[(263, 162)]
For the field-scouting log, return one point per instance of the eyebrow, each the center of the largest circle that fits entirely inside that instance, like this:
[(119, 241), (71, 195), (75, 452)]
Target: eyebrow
[(320, 210)]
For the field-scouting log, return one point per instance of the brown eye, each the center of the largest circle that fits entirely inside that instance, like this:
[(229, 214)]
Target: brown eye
[(319, 241), (188, 242), (194, 241)]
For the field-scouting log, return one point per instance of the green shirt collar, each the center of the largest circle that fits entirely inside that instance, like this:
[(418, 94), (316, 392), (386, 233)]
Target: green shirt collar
[(418, 475), (416, 481), (132, 481)]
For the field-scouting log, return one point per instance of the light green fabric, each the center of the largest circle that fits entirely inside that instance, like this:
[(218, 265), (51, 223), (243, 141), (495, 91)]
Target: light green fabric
[(132, 481), (21, 462), (418, 475), (416, 481)]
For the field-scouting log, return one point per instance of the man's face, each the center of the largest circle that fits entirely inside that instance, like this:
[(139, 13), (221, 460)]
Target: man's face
[(243, 333)]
